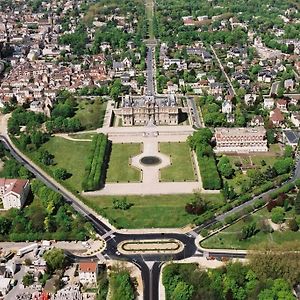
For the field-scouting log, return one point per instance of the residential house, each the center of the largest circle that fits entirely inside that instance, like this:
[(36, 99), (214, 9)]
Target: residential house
[(290, 137), (289, 84), (257, 121), (172, 88), (13, 192), (88, 272), (227, 107), (282, 105), (295, 119), (250, 99), (276, 117), (268, 103)]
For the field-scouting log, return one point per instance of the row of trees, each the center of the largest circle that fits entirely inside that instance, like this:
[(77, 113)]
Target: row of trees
[(200, 142), (234, 281), (121, 285), (96, 162)]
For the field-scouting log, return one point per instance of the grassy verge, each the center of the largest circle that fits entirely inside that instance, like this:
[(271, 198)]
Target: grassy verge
[(119, 169), (149, 211), (182, 168)]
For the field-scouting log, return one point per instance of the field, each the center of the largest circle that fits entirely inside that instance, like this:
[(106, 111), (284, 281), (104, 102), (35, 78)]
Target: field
[(91, 113), (119, 169), (70, 155), (148, 211), (182, 168), (227, 239)]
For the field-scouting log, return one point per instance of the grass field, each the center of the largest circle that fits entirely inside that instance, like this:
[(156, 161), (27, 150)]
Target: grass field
[(182, 165), (91, 113), (148, 211), (119, 169), (227, 239), (70, 155)]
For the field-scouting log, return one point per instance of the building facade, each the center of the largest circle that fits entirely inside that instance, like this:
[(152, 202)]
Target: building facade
[(241, 140), (13, 192), (88, 272), (159, 110)]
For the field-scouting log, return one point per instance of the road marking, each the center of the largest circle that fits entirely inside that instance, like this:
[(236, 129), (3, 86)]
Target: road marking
[(150, 264), (108, 234)]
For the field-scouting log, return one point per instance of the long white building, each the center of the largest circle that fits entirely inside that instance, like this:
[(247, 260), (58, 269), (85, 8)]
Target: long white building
[(241, 140)]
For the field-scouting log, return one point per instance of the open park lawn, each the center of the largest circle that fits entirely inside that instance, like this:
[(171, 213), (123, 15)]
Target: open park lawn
[(182, 167), (148, 211), (91, 113), (227, 239), (70, 155), (119, 169)]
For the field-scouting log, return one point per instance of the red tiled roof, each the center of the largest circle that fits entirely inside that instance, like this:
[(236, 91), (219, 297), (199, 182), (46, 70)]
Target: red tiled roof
[(88, 267)]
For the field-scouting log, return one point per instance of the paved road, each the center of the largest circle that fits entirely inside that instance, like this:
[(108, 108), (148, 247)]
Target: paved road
[(149, 71), (194, 112), (222, 69)]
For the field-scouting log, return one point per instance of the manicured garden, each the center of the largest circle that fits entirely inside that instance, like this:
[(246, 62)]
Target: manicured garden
[(119, 169), (182, 168), (149, 211)]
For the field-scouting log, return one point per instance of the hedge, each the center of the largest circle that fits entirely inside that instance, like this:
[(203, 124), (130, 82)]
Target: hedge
[(209, 173), (95, 163)]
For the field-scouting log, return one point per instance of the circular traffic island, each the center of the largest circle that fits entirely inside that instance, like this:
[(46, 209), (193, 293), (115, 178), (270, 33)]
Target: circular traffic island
[(150, 160)]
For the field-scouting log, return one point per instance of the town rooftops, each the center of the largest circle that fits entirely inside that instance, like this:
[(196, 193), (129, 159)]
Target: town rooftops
[(88, 267)]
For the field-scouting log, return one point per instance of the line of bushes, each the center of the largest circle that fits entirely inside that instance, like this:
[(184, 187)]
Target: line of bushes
[(200, 142), (95, 163)]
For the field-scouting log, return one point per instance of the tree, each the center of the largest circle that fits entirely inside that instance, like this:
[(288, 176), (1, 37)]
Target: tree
[(288, 151), (45, 157), (297, 204), (203, 135), (225, 167), (293, 225), (28, 279), (283, 165), (271, 136), (60, 174), (277, 215), (5, 225), (182, 291), (55, 259)]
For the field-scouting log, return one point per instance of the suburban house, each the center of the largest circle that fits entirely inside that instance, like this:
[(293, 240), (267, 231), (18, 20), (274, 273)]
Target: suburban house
[(276, 117), (88, 272), (241, 140), (268, 103), (250, 99), (13, 192), (257, 121), (282, 105), (295, 119), (290, 137), (289, 84), (227, 107)]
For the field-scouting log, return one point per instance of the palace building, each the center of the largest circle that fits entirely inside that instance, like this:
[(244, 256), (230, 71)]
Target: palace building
[(141, 110)]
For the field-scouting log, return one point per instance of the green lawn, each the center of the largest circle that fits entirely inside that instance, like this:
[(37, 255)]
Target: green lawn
[(91, 113), (119, 169), (149, 211), (182, 165), (227, 239), (70, 155)]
